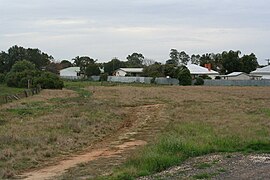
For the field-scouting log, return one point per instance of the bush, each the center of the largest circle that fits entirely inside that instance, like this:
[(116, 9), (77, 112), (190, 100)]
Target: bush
[(199, 81), (2, 77), (20, 79), (217, 77), (184, 77), (103, 77), (23, 72), (21, 66), (49, 80)]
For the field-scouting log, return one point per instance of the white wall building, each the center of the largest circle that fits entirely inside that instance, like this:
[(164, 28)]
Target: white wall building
[(236, 76), (196, 70), (70, 73), (128, 72), (263, 72)]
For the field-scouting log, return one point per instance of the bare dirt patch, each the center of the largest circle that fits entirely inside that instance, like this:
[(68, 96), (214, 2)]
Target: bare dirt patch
[(219, 166), (62, 166), (136, 125)]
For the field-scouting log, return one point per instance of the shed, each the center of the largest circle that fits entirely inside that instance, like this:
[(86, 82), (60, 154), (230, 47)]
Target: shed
[(70, 73)]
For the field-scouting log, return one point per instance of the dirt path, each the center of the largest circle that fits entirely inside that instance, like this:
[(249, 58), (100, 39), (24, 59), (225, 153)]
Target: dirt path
[(139, 124)]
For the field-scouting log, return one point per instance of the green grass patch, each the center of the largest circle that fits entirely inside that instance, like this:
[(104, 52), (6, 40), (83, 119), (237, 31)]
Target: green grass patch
[(182, 141), (5, 90), (34, 108), (203, 176)]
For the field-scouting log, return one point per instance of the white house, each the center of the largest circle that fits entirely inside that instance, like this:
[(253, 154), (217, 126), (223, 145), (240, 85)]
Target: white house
[(196, 70), (263, 72), (128, 72), (236, 76), (70, 73)]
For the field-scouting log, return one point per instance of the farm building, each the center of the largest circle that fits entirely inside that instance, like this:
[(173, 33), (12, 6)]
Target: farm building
[(263, 72), (236, 76), (128, 72), (196, 70), (70, 73)]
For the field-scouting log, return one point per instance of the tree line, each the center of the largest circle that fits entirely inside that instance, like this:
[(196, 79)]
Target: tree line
[(225, 62)]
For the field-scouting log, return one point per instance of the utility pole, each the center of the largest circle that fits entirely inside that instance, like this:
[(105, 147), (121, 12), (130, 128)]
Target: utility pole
[(268, 61)]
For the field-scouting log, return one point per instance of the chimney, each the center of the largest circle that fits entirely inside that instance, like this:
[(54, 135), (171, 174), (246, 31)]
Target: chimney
[(208, 66)]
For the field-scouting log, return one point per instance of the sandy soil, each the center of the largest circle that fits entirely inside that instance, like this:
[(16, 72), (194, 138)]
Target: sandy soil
[(123, 140)]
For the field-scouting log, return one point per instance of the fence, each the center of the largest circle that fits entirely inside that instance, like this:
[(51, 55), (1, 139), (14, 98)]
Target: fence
[(237, 82), (24, 94), (146, 80)]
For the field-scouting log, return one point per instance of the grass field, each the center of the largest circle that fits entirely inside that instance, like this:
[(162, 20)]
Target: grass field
[(195, 120)]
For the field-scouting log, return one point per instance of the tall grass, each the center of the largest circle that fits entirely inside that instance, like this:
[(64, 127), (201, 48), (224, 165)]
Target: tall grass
[(5, 90)]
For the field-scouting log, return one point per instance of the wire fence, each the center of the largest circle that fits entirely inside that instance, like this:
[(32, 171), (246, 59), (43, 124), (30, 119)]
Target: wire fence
[(26, 93)]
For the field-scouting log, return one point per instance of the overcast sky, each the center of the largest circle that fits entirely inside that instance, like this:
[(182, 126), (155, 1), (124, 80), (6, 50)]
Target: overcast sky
[(103, 29)]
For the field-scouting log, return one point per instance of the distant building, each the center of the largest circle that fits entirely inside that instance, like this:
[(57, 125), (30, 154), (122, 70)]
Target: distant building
[(236, 76), (70, 73), (263, 72), (196, 70), (128, 72)]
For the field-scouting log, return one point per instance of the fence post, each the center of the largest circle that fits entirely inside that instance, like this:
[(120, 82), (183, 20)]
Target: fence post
[(25, 92)]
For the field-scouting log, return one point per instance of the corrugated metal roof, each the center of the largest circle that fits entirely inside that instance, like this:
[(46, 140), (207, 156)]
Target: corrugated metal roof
[(233, 74), (71, 69), (264, 70), (132, 70), (195, 69)]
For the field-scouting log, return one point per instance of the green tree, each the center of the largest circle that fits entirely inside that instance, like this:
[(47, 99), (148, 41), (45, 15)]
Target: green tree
[(170, 70), (174, 57), (184, 58), (249, 63), (154, 70), (231, 62), (135, 60), (83, 62), (65, 64), (23, 72), (23, 65), (113, 65), (195, 59), (92, 70), (184, 76)]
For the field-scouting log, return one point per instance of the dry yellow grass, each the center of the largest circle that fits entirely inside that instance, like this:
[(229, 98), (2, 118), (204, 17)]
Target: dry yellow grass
[(38, 130)]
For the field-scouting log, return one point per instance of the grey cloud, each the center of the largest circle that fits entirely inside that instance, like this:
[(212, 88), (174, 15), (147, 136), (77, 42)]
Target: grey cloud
[(105, 29)]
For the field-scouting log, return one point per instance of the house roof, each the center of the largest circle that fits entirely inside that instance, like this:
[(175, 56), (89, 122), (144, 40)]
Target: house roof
[(71, 69), (233, 74), (195, 69), (264, 70), (132, 70)]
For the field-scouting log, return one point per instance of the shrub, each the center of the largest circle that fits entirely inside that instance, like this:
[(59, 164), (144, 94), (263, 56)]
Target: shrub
[(2, 77), (21, 66), (20, 79), (217, 77), (184, 77), (153, 80), (49, 80), (199, 81), (23, 72), (103, 77)]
